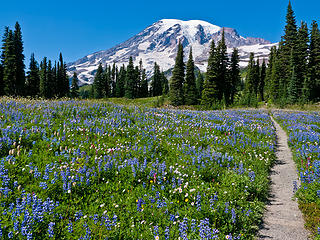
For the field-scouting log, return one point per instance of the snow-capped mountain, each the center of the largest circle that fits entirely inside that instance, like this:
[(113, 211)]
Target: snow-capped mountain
[(158, 43)]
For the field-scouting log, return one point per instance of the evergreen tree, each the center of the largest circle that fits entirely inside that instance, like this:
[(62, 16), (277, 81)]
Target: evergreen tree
[(74, 91), (314, 63), (19, 61), (144, 85), (44, 84), (199, 84), (50, 80), (137, 82), (120, 84), (164, 84), (113, 80), (130, 80), (107, 77), (210, 87), (301, 69), (177, 79), (262, 81), (190, 89), (156, 84), (235, 79), (222, 78), (293, 85), (274, 90), (288, 43), (98, 83), (62, 78), (250, 97), (33, 78), (256, 76), (269, 73), (9, 63)]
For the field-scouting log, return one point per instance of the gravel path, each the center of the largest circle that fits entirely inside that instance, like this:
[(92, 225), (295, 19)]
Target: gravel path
[(283, 219)]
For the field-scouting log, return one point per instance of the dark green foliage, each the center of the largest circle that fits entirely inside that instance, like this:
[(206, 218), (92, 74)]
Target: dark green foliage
[(293, 94), (74, 90), (190, 89), (314, 63), (156, 83), (9, 63), (50, 80), (199, 84), (130, 82), (262, 81), (99, 83), (63, 87), (107, 78), (234, 74), (143, 92), (44, 84), (120, 84), (210, 88), (19, 61), (302, 56), (177, 79), (222, 74), (113, 80), (164, 84), (250, 96)]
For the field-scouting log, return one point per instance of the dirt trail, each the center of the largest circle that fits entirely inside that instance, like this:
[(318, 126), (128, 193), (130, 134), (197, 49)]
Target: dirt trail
[(283, 219)]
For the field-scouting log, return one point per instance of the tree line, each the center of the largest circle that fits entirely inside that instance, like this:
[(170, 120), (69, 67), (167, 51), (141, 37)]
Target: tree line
[(129, 81), (219, 86), (46, 80)]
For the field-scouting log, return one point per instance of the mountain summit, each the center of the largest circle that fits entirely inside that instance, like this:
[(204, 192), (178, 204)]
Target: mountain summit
[(158, 43)]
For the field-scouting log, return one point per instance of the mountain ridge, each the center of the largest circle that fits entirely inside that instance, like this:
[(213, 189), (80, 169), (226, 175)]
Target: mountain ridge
[(158, 43)]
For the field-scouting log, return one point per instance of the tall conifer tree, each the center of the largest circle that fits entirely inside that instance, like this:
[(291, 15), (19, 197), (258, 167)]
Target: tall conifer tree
[(19, 61), (156, 84), (190, 83), (74, 90), (130, 80), (314, 63), (234, 75), (9, 63), (177, 79), (99, 83), (33, 78), (210, 87), (199, 84), (44, 85)]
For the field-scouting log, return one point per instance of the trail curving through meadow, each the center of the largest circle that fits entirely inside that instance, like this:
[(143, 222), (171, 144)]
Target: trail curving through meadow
[(283, 219)]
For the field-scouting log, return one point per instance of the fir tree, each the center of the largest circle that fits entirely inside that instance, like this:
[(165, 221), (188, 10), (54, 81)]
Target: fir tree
[(301, 68), (9, 63), (250, 97), (44, 85), (98, 83), (19, 61), (164, 84), (262, 81), (292, 88), (210, 88), (199, 84), (107, 77), (120, 84), (274, 90), (314, 63), (144, 85), (74, 90), (177, 79), (50, 80), (130, 80), (113, 80), (156, 84), (33, 78), (222, 78), (235, 79), (190, 89), (62, 78), (269, 73)]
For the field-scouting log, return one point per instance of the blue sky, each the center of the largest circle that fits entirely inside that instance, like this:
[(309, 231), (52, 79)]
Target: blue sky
[(78, 28)]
